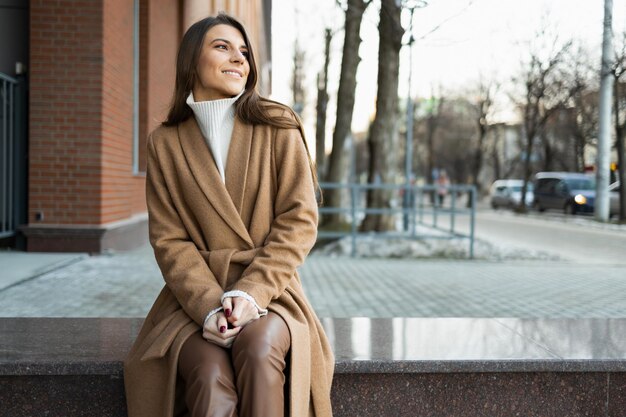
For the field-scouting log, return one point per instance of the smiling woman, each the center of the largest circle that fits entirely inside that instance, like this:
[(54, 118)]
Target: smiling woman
[(223, 65), (231, 195)]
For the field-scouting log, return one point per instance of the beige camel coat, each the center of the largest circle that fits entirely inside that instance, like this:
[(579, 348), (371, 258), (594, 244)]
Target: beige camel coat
[(248, 234)]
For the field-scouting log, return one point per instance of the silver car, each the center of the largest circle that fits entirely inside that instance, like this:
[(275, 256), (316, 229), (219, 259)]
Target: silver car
[(508, 193)]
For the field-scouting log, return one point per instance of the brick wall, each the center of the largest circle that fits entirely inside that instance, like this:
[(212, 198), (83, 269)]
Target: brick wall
[(162, 39), (65, 117), (159, 37), (81, 101), (117, 111)]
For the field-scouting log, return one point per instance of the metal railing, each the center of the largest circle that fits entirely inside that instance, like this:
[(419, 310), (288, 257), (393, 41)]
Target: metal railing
[(8, 87), (421, 208)]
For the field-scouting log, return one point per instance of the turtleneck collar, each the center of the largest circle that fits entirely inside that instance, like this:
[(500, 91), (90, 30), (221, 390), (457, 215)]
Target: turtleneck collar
[(216, 120)]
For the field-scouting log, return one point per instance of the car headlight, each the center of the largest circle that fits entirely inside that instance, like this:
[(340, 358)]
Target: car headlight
[(580, 199)]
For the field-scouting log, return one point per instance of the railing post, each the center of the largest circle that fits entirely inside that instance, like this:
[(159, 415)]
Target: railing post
[(435, 207), (472, 221), (353, 231), (452, 191), (413, 225), (421, 206)]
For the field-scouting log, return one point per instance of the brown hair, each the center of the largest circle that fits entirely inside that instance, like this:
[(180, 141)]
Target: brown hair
[(250, 107)]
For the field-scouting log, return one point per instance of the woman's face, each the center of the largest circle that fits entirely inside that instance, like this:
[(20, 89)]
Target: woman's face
[(223, 65)]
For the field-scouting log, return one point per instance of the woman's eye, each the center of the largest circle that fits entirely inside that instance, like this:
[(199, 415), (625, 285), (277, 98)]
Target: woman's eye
[(245, 54), (221, 46)]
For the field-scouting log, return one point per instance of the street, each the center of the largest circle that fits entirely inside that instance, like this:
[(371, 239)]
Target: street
[(573, 238)]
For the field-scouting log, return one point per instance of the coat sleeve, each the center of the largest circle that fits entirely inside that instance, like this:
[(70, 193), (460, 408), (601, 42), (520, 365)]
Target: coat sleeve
[(294, 229), (184, 270)]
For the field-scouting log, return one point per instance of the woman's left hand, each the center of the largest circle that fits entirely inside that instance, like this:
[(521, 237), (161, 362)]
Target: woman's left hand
[(241, 311)]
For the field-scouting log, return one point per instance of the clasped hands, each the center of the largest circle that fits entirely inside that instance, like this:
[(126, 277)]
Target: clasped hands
[(222, 327)]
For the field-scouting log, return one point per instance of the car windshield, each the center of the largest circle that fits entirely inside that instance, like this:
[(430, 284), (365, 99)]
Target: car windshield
[(581, 184), (518, 188)]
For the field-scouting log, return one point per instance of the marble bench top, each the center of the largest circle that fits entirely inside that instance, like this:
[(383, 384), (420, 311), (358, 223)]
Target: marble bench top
[(77, 346)]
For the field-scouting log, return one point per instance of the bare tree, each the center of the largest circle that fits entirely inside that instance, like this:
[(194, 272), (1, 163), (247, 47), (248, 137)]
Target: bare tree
[(456, 139), (583, 118), (573, 124), (482, 107), (544, 92), (496, 162), (297, 79), (384, 130), (429, 120), (345, 101), (322, 103)]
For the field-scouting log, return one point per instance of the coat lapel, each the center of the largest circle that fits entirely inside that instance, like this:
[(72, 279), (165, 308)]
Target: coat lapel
[(237, 162), (207, 176)]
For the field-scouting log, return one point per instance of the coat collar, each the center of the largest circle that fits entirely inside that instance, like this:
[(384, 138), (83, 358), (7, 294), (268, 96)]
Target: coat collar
[(226, 198)]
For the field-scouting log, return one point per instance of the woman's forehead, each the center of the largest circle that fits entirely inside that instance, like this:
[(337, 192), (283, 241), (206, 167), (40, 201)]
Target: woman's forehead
[(226, 32)]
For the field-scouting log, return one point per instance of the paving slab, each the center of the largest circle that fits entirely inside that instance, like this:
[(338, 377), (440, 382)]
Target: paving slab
[(16, 267), (126, 284)]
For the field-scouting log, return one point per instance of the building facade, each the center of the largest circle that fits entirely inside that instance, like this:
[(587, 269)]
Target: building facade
[(100, 76)]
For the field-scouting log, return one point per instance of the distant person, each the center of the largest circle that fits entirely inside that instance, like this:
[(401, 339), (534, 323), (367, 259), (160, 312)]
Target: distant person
[(231, 195), (443, 184)]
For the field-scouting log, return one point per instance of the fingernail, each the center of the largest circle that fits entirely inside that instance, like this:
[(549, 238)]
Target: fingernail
[(227, 312), (222, 329)]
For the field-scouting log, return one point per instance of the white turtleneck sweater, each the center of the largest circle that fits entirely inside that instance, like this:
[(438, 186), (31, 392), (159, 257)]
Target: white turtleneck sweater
[(216, 119)]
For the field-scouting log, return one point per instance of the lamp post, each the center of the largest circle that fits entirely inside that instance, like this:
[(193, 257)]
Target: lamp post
[(411, 5)]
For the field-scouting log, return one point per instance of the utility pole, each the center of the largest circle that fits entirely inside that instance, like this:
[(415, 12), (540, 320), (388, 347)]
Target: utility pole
[(408, 161), (604, 132)]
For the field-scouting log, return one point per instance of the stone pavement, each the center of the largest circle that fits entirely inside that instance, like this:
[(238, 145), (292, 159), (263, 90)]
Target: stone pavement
[(125, 285), (16, 267)]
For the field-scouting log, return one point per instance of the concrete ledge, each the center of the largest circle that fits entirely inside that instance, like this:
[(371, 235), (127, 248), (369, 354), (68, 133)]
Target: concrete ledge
[(121, 236), (385, 367)]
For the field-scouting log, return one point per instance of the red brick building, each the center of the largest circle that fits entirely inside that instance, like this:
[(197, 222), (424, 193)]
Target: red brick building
[(100, 75)]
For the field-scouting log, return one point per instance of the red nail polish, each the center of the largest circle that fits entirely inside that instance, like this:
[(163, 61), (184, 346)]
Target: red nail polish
[(227, 312), (222, 329)]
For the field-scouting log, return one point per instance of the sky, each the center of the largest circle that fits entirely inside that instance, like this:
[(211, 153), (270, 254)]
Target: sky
[(457, 43)]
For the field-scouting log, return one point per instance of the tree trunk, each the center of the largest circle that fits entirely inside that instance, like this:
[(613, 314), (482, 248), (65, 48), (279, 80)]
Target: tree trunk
[(548, 152), (482, 126), (495, 157), (530, 126), (322, 103), (297, 79), (345, 104), (383, 137)]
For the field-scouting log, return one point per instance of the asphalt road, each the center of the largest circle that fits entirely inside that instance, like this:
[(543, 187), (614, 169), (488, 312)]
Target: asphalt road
[(573, 238)]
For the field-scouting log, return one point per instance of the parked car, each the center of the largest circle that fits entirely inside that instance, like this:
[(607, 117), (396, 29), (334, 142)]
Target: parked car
[(571, 192), (614, 199), (508, 193)]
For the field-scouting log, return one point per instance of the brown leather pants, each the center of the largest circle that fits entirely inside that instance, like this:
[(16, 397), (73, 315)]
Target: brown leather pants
[(246, 380)]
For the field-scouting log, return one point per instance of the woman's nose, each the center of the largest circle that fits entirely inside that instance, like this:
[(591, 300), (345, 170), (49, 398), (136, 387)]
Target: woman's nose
[(238, 56)]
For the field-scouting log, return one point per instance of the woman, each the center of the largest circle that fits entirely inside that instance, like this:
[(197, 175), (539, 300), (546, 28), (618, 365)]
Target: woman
[(230, 190)]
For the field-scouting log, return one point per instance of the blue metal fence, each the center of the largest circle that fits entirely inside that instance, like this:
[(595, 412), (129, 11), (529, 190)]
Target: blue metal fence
[(422, 208)]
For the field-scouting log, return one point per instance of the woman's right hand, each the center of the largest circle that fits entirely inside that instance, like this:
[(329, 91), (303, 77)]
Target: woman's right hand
[(216, 330)]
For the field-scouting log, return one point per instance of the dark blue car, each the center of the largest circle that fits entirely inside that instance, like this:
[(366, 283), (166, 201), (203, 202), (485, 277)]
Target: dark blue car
[(571, 192)]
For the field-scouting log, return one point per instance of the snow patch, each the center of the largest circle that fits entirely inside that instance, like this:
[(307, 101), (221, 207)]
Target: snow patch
[(406, 248)]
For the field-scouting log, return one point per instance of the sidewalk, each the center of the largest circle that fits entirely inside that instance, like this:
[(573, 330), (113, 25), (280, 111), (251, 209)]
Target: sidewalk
[(17, 267), (125, 285)]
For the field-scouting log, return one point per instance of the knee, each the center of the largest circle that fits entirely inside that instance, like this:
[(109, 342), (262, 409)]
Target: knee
[(256, 360), (262, 344), (207, 374), (254, 349)]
